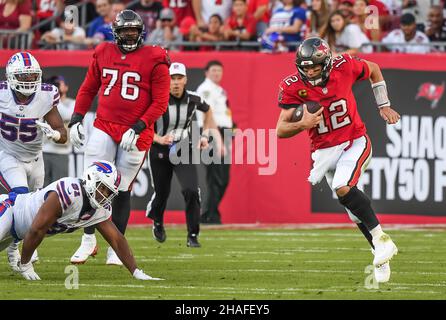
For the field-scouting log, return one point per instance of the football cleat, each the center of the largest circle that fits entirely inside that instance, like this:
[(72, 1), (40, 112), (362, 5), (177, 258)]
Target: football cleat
[(87, 248), (158, 232), (112, 258), (385, 249), (192, 241), (382, 273)]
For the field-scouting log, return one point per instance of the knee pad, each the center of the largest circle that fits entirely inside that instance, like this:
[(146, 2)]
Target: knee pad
[(355, 200)]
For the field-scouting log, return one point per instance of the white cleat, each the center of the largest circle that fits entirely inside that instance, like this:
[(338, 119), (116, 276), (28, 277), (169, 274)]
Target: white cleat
[(112, 258), (385, 249), (35, 257), (88, 248), (13, 254), (382, 273)]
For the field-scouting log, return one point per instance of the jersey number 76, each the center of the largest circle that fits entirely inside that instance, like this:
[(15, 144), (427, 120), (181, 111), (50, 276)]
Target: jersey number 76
[(129, 91)]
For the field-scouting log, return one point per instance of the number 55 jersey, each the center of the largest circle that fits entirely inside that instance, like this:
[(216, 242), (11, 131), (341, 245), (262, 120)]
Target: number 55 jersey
[(19, 135), (341, 121)]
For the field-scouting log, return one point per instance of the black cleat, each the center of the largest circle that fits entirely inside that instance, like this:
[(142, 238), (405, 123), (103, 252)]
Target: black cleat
[(158, 232), (192, 241)]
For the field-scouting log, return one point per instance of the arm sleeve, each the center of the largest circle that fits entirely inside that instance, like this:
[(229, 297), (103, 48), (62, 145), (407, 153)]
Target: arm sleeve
[(359, 68), (160, 87), (286, 99), (89, 88)]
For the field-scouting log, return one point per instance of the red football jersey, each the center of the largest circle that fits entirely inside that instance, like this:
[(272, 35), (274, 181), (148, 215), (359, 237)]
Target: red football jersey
[(341, 121), (130, 87), (181, 8)]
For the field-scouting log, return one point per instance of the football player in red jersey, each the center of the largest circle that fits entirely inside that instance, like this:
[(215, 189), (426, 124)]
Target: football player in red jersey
[(132, 83), (341, 149)]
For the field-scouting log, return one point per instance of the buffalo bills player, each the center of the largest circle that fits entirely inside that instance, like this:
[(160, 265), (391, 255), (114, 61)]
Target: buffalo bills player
[(28, 109), (132, 83), (341, 149), (62, 207)]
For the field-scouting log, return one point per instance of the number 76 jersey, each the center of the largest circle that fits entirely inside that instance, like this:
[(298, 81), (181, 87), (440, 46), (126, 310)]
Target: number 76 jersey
[(341, 121), (19, 134)]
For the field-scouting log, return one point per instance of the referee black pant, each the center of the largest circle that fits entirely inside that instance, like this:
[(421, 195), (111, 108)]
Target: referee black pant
[(162, 170)]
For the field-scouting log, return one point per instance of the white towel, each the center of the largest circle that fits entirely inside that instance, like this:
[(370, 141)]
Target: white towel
[(324, 159)]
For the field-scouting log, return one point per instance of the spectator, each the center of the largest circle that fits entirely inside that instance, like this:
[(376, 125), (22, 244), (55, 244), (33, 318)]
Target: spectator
[(346, 8), (361, 16), (15, 15), (182, 9), (47, 9), (68, 35), (342, 36), (259, 9), (385, 19), (166, 33), (104, 32), (217, 174), (407, 36), (436, 24), (149, 11), (205, 9), (240, 25), (55, 155), (213, 33), (318, 17), (284, 27), (420, 10), (104, 10)]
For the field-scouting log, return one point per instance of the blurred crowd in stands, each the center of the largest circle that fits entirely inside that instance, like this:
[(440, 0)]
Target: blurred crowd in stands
[(412, 26)]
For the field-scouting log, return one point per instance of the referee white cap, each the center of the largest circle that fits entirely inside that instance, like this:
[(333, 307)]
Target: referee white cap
[(177, 68)]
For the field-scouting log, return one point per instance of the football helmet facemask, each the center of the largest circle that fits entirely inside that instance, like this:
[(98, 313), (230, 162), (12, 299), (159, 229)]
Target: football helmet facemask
[(311, 52), (101, 183), (23, 73), (128, 30)]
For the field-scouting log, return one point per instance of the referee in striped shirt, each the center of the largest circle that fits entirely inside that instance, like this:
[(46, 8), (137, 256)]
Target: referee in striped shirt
[(172, 129)]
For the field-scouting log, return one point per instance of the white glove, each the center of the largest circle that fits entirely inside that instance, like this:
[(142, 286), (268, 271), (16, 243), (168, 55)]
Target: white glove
[(128, 141), (140, 275), (77, 135), (48, 131), (27, 271)]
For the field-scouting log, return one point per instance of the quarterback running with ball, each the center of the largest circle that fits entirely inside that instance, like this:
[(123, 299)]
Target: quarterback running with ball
[(341, 149), (63, 207)]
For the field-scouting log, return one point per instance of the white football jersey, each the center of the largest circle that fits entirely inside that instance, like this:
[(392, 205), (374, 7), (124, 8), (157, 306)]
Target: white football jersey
[(19, 134), (76, 210)]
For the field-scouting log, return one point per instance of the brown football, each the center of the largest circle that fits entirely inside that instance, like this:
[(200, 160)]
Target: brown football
[(312, 107)]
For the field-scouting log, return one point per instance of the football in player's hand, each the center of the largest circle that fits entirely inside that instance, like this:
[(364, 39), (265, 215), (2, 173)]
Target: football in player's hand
[(312, 107)]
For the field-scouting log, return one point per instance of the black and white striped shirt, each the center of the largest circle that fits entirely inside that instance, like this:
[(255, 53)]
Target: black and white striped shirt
[(180, 112)]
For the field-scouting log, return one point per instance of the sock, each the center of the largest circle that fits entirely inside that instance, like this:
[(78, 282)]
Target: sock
[(366, 234), (121, 210), (376, 232), (359, 204), (89, 230)]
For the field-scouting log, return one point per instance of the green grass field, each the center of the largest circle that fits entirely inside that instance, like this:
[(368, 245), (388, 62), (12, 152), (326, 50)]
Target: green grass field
[(241, 264)]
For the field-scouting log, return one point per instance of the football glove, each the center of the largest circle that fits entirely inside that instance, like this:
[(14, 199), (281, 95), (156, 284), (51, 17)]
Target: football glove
[(77, 135), (27, 271), (140, 275), (48, 131), (128, 141)]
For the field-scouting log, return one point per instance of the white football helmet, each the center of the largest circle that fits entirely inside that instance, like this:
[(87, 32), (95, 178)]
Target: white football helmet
[(23, 73), (101, 182)]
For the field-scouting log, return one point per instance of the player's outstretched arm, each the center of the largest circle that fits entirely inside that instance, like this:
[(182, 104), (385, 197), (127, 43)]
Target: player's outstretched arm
[(55, 121), (381, 96), (119, 243), (285, 128), (47, 215)]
